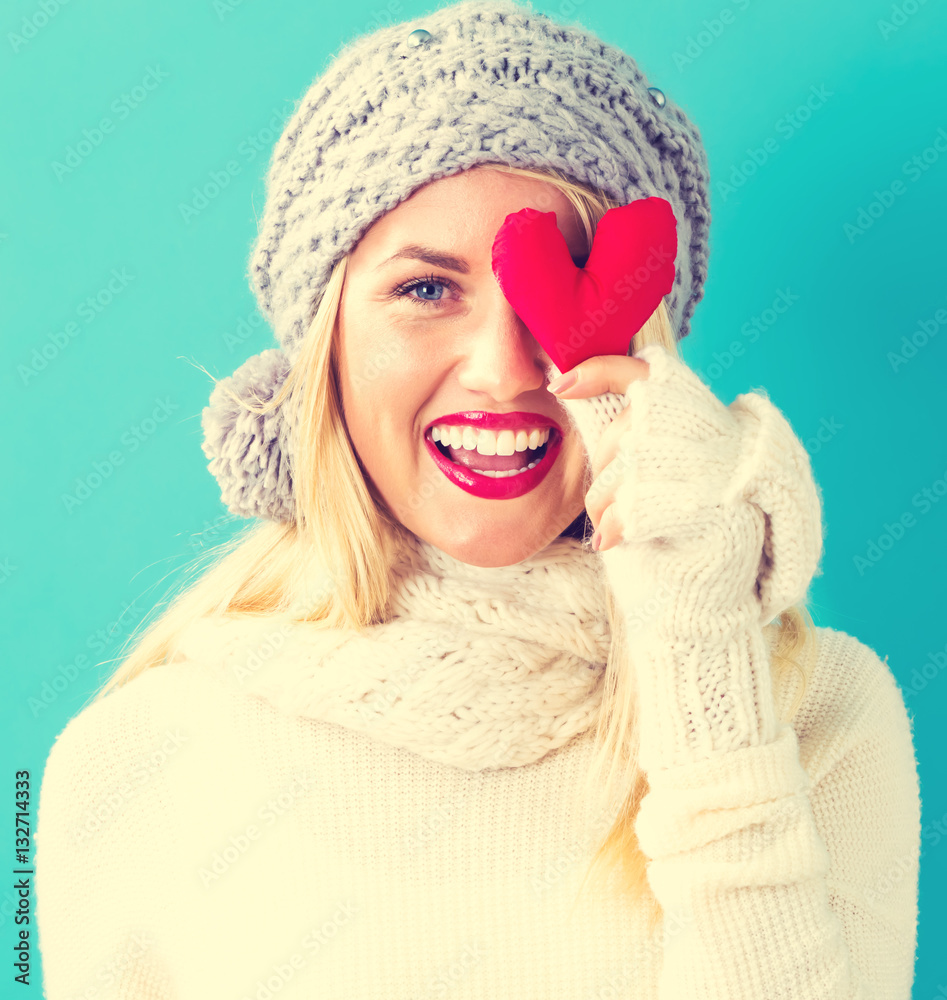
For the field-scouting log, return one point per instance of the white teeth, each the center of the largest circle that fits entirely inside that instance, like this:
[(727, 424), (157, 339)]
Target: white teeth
[(505, 442), (487, 443), (504, 475)]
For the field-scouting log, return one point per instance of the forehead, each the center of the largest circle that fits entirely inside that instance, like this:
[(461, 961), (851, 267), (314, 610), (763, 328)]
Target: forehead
[(466, 210)]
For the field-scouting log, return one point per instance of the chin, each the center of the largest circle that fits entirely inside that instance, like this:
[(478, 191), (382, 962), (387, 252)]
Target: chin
[(489, 556), (490, 546)]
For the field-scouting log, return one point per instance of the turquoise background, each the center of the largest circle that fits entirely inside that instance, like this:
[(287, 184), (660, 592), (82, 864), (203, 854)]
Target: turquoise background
[(224, 76)]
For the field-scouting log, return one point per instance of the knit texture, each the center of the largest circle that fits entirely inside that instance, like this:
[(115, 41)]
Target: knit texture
[(497, 82), (196, 839), (250, 454), (494, 82), (706, 495), (478, 667)]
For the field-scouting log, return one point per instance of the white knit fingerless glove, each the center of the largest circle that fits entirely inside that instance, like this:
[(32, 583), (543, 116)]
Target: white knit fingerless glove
[(590, 416), (719, 514)]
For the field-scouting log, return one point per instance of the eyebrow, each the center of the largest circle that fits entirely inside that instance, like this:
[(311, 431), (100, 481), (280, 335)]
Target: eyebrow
[(437, 258)]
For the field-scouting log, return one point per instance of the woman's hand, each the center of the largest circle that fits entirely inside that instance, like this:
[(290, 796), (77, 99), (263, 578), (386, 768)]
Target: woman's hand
[(704, 549), (666, 478), (595, 377), (719, 501)]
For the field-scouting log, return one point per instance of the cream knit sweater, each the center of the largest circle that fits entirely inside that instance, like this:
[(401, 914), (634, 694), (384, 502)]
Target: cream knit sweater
[(198, 838)]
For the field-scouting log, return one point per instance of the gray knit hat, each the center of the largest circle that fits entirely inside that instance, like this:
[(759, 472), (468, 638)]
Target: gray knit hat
[(480, 81)]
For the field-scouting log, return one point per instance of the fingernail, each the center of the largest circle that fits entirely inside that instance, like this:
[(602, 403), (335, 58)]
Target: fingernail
[(596, 540), (563, 382)]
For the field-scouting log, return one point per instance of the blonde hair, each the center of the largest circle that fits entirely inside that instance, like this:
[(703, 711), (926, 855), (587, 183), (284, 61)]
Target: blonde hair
[(343, 526)]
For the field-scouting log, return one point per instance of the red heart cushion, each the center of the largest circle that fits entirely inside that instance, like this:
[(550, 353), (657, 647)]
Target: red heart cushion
[(579, 313)]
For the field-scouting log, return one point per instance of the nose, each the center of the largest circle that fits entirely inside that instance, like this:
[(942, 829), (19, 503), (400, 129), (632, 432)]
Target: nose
[(502, 359)]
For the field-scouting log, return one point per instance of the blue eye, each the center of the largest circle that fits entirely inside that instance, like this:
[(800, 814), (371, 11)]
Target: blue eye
[(430, 283)]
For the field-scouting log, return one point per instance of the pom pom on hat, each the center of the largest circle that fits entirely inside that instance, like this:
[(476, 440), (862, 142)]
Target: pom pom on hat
[(250, 452)]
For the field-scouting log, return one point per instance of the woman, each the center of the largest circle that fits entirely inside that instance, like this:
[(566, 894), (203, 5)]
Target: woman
[(382, 746)]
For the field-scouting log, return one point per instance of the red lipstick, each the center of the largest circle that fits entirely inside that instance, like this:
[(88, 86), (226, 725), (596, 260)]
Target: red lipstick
[(488, 487)]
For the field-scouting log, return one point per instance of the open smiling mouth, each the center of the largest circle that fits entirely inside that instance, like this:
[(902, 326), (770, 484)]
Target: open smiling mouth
[(496, 466), (495, 477)]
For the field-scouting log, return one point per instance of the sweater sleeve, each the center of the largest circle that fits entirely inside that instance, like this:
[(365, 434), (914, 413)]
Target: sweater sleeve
[(772, 891)]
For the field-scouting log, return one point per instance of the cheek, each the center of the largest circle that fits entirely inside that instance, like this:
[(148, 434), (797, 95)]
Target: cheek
[(573, 471), (382, 396), (379, 358), (383, 375)]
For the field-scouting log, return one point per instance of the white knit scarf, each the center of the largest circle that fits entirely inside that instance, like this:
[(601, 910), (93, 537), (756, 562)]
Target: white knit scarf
[(478, 667)]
